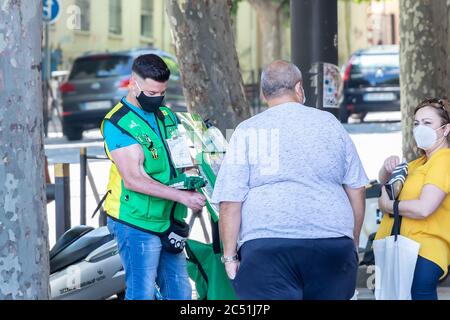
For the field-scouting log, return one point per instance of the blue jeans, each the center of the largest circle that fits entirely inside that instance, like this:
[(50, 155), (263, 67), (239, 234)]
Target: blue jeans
[(426, 279), (146, 262)]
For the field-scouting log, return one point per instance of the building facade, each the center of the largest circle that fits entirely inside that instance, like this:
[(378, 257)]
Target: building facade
[(90, 26), (366, 24)]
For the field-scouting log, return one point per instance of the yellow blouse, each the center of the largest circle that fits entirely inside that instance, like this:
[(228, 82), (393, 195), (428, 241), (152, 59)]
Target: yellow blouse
[(433, 233)]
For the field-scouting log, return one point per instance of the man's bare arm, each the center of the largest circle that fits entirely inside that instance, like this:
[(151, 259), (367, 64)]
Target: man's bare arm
[(229, 226), (129, 161), (357, 199), (230, 223)]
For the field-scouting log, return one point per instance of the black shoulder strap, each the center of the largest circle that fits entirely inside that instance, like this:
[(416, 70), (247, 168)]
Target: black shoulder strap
[(100, 204), (114, 119), (215, 237), (119, 114), (172, 213), (397, 221)]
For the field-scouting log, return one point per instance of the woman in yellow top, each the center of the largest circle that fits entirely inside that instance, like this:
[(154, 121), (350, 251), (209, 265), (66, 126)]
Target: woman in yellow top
[(425, 197)]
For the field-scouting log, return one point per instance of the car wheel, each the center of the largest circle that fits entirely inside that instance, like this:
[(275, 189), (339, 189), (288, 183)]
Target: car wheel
[(359, 116), (121, 295), (343, 114), (73, 134), (362, 116)]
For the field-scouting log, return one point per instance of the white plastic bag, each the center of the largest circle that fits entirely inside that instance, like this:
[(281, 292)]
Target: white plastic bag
[(395, 262)]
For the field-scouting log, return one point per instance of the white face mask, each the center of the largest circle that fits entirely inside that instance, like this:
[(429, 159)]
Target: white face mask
[(425, 136)]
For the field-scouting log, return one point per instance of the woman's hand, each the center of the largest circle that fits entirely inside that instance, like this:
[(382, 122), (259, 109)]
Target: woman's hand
[(387, 168), (385, 204), (390, 163)]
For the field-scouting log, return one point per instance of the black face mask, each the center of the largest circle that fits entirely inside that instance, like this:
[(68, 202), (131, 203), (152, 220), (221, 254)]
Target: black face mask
[(150, 104)]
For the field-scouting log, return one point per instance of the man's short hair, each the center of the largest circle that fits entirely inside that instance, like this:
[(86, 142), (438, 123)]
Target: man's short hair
[(279, 78), (151, 66)]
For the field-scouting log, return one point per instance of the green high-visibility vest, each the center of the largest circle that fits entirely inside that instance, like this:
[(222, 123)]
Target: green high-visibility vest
[(137, 209)]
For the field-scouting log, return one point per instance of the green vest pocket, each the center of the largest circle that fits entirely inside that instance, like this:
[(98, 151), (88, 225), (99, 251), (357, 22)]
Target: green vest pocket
[(155, 160), (137, 203)]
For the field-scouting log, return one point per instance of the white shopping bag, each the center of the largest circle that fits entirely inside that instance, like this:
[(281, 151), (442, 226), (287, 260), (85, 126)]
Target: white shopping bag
[(395, 262)]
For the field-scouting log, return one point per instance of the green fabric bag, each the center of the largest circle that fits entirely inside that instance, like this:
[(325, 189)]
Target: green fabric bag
[(206, 269)]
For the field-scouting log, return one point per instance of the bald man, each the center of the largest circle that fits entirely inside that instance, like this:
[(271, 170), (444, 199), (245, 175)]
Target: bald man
[(291, 191)]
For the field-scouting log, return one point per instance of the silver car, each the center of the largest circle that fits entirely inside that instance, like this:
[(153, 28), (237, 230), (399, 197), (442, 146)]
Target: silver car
[(98, 81)]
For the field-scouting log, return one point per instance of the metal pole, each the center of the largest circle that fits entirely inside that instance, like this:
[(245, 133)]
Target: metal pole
[(199, 215), (102, 216), (314, 38), (50, 192), (47, 57), (44, 80), (83, 164), (62, 198), (203, 224)]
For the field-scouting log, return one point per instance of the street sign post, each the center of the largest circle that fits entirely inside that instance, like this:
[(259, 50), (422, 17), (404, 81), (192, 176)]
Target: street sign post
[(50, 13), (50, 10)]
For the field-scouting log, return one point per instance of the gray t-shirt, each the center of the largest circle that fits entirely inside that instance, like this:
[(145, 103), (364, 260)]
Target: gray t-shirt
[(288, 165)]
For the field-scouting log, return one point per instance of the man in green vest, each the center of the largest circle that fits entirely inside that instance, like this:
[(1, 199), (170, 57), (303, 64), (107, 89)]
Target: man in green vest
[(140, 205)]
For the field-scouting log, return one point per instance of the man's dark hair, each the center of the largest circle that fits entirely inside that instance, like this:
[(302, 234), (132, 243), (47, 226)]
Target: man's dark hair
[(151, 66)]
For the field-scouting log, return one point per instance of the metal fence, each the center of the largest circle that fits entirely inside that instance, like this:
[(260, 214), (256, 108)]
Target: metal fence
[(85, 172), (60, 193)]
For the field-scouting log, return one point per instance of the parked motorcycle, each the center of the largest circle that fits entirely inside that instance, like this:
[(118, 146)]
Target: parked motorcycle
[(85, 265)]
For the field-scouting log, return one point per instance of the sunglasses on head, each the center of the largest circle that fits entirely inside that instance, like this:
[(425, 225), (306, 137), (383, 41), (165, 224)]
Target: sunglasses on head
[(435, 100)]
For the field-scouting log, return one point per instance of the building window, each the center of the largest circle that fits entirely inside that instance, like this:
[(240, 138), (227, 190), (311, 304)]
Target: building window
[(115, 16), (84, 14), (147, 18)]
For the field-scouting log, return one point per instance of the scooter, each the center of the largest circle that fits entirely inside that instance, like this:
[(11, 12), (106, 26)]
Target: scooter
[(85, 265), (85, 262)]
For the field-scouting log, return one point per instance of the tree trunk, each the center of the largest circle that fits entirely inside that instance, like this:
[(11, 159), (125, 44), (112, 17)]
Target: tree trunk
[(423, 59), (208, 60), (24, 257), (270, 17)]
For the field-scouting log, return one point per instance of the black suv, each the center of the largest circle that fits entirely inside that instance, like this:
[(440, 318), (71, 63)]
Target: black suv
[(371, 82), (98, 81)]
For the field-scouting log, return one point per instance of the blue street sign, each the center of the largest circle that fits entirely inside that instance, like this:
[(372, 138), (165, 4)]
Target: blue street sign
[(50, 10)]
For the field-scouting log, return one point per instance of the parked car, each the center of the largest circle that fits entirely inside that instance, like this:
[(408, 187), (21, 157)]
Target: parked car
[(98, 81), (371, 82)]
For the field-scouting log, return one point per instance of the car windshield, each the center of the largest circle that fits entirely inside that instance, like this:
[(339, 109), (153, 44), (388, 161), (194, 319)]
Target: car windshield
[(100, 67), (375, 70), (379, 61)]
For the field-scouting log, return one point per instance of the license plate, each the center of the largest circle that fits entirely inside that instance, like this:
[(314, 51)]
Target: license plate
[(96, 105), (379, 97)]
